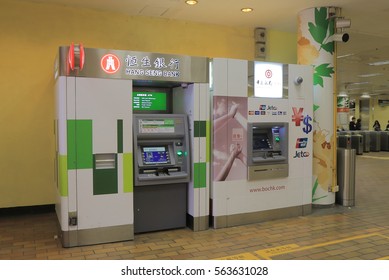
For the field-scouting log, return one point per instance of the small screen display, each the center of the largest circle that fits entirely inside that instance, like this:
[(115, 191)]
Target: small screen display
[(149, 101), (155, 155), (261, 141)]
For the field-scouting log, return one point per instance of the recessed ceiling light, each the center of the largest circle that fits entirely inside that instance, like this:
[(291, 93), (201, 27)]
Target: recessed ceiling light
[(191, 2), (247, 10), (365, 95)]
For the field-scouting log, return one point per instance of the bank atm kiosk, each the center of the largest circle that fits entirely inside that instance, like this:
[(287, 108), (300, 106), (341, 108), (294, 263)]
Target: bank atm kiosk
[(267, 151), (161, 171)]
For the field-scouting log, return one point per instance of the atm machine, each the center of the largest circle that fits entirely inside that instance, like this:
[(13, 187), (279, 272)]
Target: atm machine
[(161, 171), (267, 151)]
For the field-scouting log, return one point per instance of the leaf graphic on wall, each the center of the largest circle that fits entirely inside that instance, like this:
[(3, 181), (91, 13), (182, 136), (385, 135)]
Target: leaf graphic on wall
[(323, 70), (322, 29), (319, 29)]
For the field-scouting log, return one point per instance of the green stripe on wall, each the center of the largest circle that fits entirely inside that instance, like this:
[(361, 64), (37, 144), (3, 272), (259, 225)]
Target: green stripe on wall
[(128, 185), (200, 175), (120, 136), (208, 141), (79, 144), (63, 175), (199, 129)]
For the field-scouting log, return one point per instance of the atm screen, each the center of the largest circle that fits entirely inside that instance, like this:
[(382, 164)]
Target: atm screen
[(261, 141), (155, 155)]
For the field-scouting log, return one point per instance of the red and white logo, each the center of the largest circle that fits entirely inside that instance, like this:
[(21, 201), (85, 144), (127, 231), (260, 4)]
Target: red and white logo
[(268, 73), (110, 63)]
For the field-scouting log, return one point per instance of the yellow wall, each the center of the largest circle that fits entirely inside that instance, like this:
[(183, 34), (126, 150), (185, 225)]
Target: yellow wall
[(31, 34), (281, 47)]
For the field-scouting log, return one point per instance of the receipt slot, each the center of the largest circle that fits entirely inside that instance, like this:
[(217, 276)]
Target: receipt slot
[(267, 151), (161, 171)]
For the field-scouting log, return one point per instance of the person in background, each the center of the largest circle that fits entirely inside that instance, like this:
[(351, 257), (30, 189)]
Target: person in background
[(358, 125), (352, 125), (376, 126), (387, 127)]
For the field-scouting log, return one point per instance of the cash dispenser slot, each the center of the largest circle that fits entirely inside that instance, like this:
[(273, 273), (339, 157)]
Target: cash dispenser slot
[(161, 173), (273, 156)]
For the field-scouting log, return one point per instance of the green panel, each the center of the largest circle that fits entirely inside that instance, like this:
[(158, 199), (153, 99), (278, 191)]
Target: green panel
[(120, 136), (105, 181), (79, 144), (200, 175), (208, 141), (200, 129), (203, 128), (196, 128), (63, 175), (128, 185)]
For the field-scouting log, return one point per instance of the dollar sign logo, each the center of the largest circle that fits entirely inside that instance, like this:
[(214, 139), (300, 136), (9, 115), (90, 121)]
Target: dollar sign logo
[(308, 126)]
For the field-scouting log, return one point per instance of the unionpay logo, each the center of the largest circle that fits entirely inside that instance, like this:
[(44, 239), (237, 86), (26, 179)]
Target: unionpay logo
[(301, 143), (110, 63)]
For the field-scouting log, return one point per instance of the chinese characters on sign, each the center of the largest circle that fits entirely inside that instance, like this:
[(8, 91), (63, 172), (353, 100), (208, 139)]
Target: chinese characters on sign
[(158, 67)]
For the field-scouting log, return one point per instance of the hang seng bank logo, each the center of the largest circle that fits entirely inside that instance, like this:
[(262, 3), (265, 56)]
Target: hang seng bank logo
[(298, 117), (110, 63)]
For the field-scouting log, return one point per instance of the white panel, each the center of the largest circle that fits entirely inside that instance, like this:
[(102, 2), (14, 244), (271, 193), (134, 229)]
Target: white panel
[(203, 149), (204, 101), (62, 212), (96, 211), (104, 101), (126, 116), (72, 190), (305, 89), (220, 76), (237, 77), (71, 98), (203, 201), (307, 188), (196, 149), (120, 173), (60, 99)]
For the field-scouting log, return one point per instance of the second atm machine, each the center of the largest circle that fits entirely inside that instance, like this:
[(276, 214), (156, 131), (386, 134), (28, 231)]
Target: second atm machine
[(161, 171)]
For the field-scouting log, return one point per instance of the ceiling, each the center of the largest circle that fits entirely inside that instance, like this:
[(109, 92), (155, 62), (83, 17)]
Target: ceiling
[(369, 32)]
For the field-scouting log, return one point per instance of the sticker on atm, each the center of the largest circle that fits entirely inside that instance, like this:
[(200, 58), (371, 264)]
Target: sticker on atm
[(301, 143)]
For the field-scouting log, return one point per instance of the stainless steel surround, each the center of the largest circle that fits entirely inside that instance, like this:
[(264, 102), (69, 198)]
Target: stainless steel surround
[(97, 235), (261, 216)]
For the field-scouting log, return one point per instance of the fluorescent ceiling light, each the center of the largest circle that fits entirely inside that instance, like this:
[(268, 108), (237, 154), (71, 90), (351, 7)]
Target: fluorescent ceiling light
[(370, 75), (358, 83), (345, 55), (379, 63), (365, 95), (342, 94)]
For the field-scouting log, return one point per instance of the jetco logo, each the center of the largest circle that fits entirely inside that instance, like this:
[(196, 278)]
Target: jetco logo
[(301, 154), (298, 117), (110, 63), (301, 143)]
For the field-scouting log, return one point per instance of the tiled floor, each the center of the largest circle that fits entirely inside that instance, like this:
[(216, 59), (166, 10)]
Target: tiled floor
[(360, 232)]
